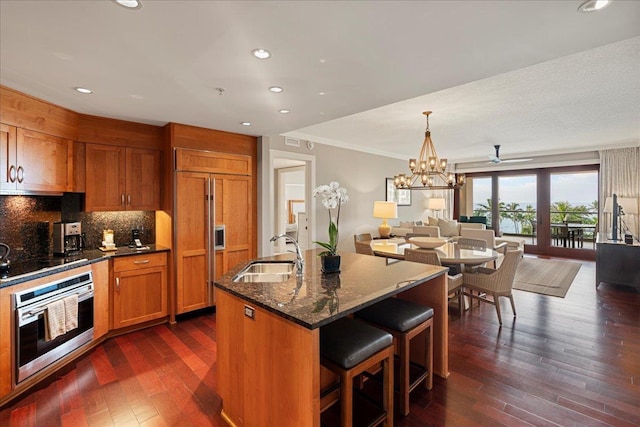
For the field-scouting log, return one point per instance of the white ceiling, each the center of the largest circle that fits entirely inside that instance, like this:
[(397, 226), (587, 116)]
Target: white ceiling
[(533, 76)]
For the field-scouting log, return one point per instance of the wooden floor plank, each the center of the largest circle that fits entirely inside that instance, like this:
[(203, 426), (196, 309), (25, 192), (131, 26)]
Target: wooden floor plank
[(561, 361)]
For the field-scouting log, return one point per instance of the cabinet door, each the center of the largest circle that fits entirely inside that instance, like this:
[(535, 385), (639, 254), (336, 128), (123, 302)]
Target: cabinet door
[(139, 296), (45, 162), (234, 209), (191, 241), (143, 179), (105, 178), (7, 157)]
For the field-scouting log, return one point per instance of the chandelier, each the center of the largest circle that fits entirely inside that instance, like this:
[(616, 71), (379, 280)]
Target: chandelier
[(429, 172)]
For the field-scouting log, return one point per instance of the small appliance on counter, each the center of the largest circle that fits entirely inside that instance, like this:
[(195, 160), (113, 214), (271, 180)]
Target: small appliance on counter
[(108, 242), (67, 238)]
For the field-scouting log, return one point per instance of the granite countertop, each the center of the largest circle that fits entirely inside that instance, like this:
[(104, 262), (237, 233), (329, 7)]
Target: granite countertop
[(86, 257), (317, 299)]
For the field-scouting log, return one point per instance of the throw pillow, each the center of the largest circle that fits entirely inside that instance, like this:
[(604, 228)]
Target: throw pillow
[(406, 224), (433, 221), (417, 222), (448, 228)]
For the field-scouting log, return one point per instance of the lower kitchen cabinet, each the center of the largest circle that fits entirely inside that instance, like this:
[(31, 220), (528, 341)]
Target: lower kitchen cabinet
[(139, 289)]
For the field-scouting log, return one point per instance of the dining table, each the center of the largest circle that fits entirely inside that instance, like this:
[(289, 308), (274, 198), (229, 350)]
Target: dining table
[(450, 253)]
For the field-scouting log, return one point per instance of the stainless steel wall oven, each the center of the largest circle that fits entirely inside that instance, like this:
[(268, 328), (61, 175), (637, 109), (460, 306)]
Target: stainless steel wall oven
[(32, 351)]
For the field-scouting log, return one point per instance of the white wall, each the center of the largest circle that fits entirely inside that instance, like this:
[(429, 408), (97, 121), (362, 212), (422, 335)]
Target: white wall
[(362, 174)]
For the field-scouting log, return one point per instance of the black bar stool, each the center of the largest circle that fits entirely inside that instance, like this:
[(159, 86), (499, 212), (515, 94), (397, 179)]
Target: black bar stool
[(405, 320), (348, 348)]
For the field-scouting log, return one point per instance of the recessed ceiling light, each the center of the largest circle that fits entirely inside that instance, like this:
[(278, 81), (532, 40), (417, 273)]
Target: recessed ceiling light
[(261, 53), (275, 89), (83, 90), (129, 4), (245, 123), (593, 5), (321, 93), (284, 111)]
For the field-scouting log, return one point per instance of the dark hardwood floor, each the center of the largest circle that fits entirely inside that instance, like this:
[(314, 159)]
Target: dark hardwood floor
[(569, 362)]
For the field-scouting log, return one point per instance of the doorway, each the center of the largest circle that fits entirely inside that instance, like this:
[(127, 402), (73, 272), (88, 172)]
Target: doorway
[(290, 207), (273, 205)]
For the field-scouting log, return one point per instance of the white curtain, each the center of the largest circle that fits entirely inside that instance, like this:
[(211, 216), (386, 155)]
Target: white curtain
[(619, 175)]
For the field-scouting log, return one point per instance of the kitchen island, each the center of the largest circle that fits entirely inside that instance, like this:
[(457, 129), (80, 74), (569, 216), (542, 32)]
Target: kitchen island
[(268, 355)]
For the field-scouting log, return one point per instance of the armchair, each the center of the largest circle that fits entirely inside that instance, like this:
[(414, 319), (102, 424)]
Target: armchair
[(497, 283)]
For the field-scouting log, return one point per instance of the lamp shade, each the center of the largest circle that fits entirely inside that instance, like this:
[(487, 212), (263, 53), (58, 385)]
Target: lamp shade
[(436, 204), (385, 210)]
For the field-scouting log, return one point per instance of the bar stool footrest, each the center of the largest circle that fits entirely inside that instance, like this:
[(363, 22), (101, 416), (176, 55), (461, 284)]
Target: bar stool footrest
[(365, 412), (417, 374)]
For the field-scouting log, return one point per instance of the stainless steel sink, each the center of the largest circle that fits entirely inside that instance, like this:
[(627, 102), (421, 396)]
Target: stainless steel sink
[(265, 272)]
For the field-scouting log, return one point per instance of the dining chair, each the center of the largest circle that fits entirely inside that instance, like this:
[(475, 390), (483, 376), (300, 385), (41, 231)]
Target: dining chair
[(494, 282), (488, 236), (363, 248), (469, 243), (364, 237), (454, 283)]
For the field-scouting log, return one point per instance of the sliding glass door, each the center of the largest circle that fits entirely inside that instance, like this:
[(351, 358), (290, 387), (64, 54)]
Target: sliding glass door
[(555, 210), (573, 210)]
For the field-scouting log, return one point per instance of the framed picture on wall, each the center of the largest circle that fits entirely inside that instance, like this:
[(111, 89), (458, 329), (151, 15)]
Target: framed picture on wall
[(402, 197)]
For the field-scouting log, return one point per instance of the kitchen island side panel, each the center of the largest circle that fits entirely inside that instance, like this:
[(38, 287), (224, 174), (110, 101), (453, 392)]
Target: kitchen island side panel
[(268, 367)]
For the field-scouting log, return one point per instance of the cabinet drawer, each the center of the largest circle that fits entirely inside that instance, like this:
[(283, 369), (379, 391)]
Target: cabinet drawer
[(135, 262)]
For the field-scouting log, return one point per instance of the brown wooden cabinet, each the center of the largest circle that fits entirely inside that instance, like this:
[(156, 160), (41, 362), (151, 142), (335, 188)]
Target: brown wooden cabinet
[(34, 162), (204, 198), (119, 178), (192, 243), (139, 289)]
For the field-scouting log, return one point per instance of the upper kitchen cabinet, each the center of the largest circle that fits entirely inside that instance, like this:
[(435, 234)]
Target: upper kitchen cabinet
[(120, 178), (34, 162)]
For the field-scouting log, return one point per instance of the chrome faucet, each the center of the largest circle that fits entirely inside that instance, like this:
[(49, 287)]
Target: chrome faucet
[(299, 259)]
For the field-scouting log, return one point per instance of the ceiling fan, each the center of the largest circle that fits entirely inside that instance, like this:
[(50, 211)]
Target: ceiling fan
[(497, 160)]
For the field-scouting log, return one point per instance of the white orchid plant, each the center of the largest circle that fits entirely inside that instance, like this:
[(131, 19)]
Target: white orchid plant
[(333, 196)]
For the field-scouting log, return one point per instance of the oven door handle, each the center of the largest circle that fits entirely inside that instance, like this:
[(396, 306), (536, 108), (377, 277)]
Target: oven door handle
[(36, 311)]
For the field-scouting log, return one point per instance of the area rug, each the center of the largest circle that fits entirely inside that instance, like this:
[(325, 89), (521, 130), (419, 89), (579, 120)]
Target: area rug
[(545, 276)]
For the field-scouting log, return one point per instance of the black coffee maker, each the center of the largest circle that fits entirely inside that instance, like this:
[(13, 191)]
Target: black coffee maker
[(67, 238)]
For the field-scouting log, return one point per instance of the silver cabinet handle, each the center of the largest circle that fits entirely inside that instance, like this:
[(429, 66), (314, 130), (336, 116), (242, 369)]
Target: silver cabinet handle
[(20, 174), (129, 199), (122, 199), (117, 284), (12, 173), (144, 261)]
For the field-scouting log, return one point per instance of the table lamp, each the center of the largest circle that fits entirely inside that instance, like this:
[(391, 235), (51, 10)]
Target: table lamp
[(385, 211), (436, 204)]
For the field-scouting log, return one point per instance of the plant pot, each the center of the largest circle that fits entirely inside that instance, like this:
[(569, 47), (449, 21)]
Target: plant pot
[(330, 263)]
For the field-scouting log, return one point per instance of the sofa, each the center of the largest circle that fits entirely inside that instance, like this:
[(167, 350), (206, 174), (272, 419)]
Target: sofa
[(451, 228), (436, 228)]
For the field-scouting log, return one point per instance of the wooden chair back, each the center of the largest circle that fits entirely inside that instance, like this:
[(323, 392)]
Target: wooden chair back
[(364, 237), (363, 248)]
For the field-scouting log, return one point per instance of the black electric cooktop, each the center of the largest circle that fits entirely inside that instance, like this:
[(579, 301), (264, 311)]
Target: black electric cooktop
[(32, 266)]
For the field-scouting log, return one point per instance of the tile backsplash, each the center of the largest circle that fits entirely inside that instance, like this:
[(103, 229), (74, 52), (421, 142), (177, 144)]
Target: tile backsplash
[(26, 223)]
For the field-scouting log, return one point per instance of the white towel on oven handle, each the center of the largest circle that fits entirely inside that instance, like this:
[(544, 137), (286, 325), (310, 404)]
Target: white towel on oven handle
[(55, 322), (70, 312)]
